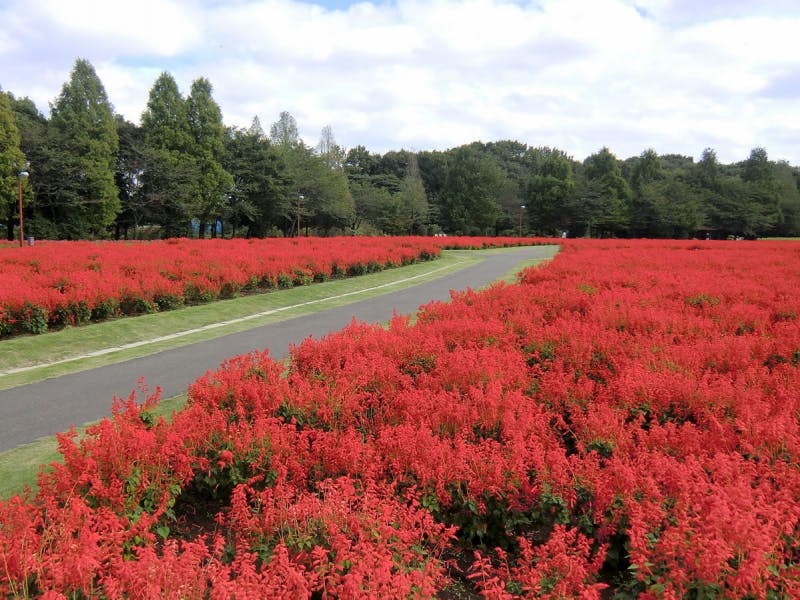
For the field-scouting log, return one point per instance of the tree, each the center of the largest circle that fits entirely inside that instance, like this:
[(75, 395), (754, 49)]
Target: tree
[(757, 168), (360, 165), (646, 208), (327, 202), (433, 172), (283, 132), (786, 179), (170, 179), (319, 194), (411, 201), (707, 172), (674, 209), (259, 197), (371, 204), (646, 168), (165, 121), (12, 161), (207, 147), (605, 196), (330, 152), (131, 166), (762, 194), (390, 169), (86, 135), (740, 200), (469, 199), (46, 168), (549, 191)]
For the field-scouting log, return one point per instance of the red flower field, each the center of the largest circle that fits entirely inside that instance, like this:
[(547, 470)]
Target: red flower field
[(623, 422), (54, 284)]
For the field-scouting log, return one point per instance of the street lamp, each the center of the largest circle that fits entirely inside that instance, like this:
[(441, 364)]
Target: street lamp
[(20, 176), (521, 208), (300, 198)]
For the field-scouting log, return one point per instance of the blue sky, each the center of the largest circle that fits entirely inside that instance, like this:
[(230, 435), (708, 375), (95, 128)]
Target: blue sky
[(673, 75)]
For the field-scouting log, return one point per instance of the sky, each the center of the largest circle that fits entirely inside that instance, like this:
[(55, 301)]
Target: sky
[(677, 76)]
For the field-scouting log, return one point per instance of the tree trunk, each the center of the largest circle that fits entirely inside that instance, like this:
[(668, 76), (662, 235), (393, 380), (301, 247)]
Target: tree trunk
[(10, 224)]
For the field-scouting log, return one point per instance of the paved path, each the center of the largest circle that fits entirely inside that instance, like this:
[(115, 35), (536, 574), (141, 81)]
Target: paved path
[(44, 408)]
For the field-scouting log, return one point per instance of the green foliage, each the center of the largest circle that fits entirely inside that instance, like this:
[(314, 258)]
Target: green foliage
[(786, 182), (411, 201), (283, 132), (32, 318), (667, 208), (330, 152), (259, 197), (206, 147), (550, 189), (171, 174), (164, 121), (326, 204), (369, 202), (85, 137), (604, 201), (12, 161), (360, 164), (469, 199)]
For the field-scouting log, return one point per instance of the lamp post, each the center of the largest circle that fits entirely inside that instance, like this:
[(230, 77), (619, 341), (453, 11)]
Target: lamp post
[(20, 176), (521, 208), (300, 198)]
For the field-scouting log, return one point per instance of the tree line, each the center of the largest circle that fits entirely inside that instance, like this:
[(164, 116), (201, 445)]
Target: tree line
[(182, 172)]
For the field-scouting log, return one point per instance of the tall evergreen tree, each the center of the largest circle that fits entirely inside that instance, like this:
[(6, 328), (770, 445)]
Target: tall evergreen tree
[(12, 161), (165, 121), (83, 123), (208, 147), (170, 180)]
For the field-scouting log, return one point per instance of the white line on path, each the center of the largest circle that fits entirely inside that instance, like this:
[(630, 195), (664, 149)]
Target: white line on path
[(211, 326)]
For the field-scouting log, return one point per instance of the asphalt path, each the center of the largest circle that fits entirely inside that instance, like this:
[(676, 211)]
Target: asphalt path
[(40, 409)]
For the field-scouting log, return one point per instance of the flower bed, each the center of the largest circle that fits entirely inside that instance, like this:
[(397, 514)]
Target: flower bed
[(54, 284), (622, 421)]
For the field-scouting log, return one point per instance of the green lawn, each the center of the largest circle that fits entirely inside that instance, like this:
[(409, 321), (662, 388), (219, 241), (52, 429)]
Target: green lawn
[(36, 355)]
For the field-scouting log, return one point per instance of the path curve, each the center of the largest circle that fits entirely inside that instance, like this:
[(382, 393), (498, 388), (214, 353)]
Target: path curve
[(40, 409)]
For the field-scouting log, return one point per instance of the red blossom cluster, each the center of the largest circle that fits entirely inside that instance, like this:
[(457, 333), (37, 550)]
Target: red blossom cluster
[(54, 284), (621, 423)]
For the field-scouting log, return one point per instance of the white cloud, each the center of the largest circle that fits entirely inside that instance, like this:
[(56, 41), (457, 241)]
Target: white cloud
[(147, 28), (674, 75)]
